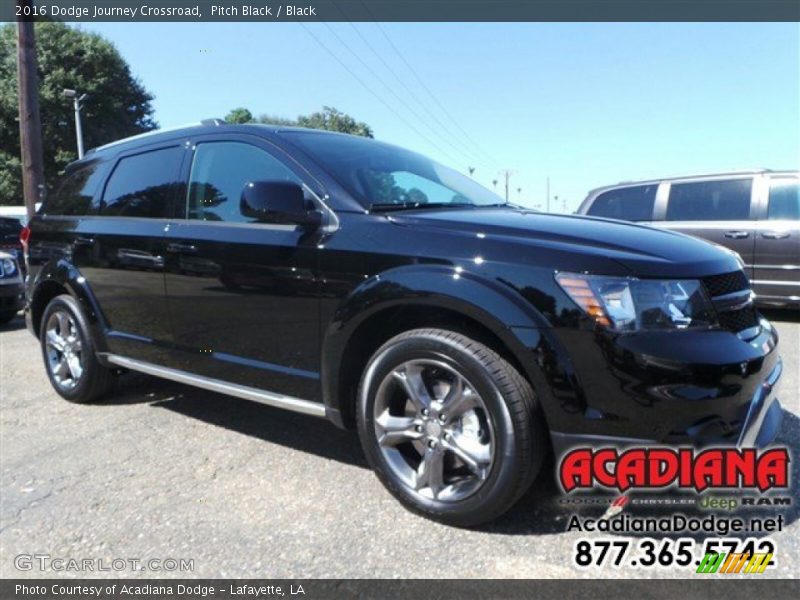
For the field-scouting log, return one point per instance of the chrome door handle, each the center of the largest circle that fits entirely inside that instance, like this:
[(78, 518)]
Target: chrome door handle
[(737, 235), (775, 235), (182, 248)]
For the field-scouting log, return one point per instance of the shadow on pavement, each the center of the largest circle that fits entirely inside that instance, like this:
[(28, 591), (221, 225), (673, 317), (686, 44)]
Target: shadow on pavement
[(14, 324), (543, 510), (299, 432)]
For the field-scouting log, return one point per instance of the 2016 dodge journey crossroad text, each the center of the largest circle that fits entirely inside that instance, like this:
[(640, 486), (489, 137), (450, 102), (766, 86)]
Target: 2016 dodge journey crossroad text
[(465, 338)]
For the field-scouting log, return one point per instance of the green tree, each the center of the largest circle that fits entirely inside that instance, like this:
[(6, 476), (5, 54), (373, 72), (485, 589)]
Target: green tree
[(331, 119), (239, 116), (117, 106), (328, 119)]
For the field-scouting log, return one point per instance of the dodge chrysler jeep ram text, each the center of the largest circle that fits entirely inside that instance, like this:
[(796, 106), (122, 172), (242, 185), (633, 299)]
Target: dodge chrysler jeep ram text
[(464, 337)]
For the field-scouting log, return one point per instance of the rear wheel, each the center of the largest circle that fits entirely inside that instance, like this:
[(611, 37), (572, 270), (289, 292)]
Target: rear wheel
[(449, 426), (69, 355)]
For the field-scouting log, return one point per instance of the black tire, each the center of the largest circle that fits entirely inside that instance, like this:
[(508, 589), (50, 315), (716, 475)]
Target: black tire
[(7, 317), (95, 380), (519, 434)]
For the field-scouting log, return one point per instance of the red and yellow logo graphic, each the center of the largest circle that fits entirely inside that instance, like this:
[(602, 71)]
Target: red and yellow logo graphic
[(735, 562)]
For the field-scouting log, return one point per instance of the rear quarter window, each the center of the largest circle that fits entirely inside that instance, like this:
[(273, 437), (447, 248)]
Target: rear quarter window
[(74, 197), (784, 200), (142, 185), (628, 204)]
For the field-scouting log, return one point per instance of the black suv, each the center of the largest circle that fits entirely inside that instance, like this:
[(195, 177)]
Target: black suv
[(345, 278)]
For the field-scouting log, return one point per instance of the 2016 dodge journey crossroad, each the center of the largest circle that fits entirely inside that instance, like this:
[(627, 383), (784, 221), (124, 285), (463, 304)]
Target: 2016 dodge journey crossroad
[(463, 337)]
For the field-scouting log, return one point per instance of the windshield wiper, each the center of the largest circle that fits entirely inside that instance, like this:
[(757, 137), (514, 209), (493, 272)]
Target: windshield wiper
[(387, 206)]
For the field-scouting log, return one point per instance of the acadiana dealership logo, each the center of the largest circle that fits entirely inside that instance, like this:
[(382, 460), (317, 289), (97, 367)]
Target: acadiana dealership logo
[(687, 468)]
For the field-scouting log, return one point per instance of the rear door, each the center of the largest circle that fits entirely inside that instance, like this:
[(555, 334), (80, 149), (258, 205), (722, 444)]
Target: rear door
[(776, 275), (721, 211), (120, 249)]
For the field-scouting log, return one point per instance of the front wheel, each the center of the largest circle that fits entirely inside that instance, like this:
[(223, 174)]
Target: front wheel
[(449, 426), (69, 355)]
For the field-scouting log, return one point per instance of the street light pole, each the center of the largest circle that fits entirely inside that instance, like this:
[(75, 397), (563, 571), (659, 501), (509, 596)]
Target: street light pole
[(76, 104)]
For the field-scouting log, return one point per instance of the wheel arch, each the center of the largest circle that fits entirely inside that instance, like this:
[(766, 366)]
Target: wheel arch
[(60, 278), (424, 296)]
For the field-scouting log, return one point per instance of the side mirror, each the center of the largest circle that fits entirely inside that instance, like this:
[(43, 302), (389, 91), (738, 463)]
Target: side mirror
[(277, 202)]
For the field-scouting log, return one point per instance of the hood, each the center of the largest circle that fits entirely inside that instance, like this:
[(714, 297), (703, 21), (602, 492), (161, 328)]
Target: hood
[(641, 250)]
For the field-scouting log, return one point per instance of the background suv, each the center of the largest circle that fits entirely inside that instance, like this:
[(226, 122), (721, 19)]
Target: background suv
[(754, 213), (340, 277)]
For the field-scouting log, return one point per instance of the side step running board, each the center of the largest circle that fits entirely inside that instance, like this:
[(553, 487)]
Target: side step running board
[(307, 407)]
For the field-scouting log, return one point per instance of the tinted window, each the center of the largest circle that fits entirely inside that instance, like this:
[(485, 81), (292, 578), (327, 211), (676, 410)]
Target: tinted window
[(9, 231), (784, 199), (75, 195), (710, 201), (630, 203), (219, 173), (380, 174), (141, 185)]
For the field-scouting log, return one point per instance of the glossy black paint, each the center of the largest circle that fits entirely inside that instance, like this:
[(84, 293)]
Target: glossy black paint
[(297, 309)]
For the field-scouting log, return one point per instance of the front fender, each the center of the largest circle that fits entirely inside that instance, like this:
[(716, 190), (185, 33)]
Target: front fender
[(64, 274), (495, 305)]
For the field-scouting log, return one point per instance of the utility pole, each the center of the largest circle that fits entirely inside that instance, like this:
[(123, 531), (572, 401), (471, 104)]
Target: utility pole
[(548, 193), (471, 170), (30, 126), (506, 174)]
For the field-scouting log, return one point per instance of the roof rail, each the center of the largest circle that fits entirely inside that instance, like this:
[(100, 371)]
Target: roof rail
[(216, 122)]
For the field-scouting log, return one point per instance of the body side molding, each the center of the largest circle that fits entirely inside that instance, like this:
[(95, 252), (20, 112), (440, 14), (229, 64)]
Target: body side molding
[(306, 407)]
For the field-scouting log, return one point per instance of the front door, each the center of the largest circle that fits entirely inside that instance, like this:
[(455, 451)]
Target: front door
[(242, 295)]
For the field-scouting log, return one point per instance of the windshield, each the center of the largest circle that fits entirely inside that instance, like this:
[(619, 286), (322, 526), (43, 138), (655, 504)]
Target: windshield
[(383, 176)]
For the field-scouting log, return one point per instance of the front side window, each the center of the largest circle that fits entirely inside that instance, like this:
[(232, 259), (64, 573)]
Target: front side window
[(710, 201), (784, 200), (141, 185), (219, 173), (629, 203), (75, 195)]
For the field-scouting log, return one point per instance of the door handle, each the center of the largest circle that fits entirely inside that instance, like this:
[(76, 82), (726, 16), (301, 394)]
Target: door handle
[(775, 235), (737, 235), (182, 248), (84, 241)]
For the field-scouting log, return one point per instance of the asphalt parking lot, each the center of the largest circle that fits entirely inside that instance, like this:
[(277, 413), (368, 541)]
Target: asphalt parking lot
[(244, 490)]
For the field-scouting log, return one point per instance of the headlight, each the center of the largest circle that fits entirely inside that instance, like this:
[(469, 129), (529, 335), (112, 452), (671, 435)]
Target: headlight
[(629, 304), (9, 267)]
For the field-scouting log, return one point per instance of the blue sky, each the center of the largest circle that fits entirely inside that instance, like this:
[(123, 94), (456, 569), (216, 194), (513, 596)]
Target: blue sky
[(585, 104)]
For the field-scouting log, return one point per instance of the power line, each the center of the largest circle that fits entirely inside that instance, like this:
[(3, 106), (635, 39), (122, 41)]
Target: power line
[(412, 94), (377, 77), (422, 84), (377, 97)]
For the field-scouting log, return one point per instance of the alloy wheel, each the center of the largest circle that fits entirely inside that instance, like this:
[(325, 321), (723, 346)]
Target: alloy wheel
[(434, 430), (64, 349)]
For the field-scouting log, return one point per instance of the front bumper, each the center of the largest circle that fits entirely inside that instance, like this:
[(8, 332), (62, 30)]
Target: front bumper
[(12, 296), (688, 388), (764, 415)]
